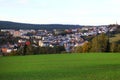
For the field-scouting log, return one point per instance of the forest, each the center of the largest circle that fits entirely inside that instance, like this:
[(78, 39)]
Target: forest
[(49, 27)]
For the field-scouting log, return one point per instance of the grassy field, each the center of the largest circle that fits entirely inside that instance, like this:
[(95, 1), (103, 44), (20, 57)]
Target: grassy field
[(61, 67)]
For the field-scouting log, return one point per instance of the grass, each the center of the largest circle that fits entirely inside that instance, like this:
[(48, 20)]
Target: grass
[(61, 67)]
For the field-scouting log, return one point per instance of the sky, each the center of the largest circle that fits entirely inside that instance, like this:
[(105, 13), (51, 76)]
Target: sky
[(82, 12)]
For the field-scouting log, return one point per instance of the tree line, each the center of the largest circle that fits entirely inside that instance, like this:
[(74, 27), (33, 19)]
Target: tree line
[(98, 44), (30, 50)]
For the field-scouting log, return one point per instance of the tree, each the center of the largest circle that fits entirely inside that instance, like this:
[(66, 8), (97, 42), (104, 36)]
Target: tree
[(100, 43), (86, 47), (29, 50), (113, 47), (78, 49)]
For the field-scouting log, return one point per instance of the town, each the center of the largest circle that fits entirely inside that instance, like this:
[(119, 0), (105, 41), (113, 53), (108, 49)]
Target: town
[(68, 38)]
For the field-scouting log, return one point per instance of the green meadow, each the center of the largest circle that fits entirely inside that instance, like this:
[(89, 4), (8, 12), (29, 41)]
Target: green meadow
[(61, 67)]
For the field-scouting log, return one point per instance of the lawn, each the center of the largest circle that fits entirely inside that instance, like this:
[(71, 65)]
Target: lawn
[(61, 67)]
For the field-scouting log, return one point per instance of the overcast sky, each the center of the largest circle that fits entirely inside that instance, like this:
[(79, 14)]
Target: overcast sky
[(83, 12)]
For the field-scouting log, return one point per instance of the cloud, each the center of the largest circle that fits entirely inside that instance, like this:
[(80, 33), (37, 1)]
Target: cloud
[(1, 0), (23, 1), (9, 3), (113, 2)]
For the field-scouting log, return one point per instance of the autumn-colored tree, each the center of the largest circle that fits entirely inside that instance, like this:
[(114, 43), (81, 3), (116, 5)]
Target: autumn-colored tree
[(78, 49), (100, 43), (86, 47), (113, 47)]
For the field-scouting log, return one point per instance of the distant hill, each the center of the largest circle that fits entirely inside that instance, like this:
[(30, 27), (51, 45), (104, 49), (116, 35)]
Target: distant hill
[(16, 25)]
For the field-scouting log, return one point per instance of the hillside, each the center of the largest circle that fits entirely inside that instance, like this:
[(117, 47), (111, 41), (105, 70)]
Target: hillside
[(15, 25), (115, 38)]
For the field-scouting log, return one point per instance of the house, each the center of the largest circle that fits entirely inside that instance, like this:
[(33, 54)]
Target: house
[(16, 34), (44, 43), (58, 31), (6, 50)]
